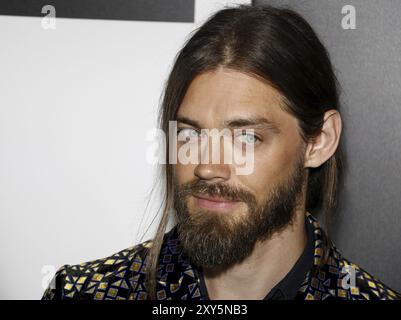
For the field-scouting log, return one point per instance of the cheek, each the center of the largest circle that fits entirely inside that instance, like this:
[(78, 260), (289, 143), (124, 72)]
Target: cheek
[(270, 169), (184, 173)]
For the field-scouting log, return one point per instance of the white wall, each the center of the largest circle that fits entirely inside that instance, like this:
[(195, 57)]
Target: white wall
[(75, 106)]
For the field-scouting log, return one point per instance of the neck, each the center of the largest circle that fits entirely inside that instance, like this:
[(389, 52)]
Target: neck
[(266, 266)]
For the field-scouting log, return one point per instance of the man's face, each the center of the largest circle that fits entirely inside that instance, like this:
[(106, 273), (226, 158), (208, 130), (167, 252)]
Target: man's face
[(221, 215)]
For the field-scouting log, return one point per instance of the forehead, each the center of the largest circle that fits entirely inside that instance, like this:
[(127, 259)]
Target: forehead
[(216, 96)]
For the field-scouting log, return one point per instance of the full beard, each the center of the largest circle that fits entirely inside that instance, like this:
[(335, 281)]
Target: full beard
[(213, 239)]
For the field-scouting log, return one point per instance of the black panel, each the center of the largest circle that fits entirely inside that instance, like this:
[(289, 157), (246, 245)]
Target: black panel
[(145, 10)]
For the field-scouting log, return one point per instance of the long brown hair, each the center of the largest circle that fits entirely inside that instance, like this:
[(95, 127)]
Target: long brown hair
[(278, 46)]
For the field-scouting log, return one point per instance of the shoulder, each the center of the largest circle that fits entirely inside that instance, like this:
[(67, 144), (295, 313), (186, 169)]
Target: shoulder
[(111, 277), (352, 282), (362, 285), (333, 276)]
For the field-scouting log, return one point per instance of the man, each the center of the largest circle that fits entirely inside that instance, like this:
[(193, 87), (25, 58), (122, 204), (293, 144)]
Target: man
[(262, 74)]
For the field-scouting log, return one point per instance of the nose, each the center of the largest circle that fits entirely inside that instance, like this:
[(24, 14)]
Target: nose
[(210, 170), (218, 172)]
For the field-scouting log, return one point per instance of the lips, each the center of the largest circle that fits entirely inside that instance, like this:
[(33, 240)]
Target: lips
[(215, 203)]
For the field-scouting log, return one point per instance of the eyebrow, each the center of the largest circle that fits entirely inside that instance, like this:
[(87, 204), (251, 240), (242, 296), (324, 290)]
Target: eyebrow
[(253, 122)]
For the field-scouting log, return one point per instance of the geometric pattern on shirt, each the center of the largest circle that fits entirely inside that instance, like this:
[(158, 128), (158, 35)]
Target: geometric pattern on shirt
[(121, 276)]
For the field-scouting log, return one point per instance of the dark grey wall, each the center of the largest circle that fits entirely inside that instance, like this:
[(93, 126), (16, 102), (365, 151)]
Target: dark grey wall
[(368, 65), (143, 10)]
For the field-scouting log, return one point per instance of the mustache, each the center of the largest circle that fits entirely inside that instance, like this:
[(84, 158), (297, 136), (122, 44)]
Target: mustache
[(229, 192)]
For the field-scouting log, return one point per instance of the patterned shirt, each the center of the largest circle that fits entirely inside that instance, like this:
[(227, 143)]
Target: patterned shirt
[(288, 287), (121, 276)]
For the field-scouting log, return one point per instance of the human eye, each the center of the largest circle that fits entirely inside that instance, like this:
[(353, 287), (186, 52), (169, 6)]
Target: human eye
[(186, 134), (249, 138)]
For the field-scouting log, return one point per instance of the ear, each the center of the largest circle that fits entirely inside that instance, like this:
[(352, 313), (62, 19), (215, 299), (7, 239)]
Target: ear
[(324, 145)]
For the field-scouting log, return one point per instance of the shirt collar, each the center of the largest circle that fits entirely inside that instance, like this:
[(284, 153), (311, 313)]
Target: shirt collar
[(288, 287)]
